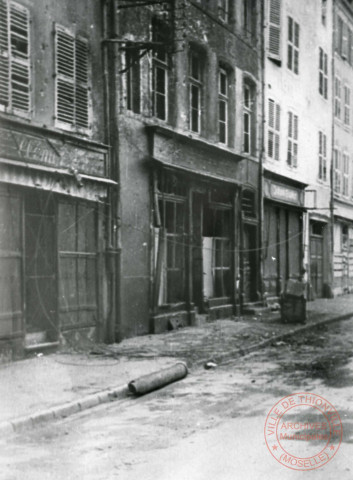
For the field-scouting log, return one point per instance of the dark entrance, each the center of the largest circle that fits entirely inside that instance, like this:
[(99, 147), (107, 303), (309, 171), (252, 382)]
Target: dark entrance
[(40, 264), (316, 258), (249, 263)]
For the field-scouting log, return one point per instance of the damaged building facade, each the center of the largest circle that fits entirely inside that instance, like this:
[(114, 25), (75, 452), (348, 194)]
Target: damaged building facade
[(189, 132), (54, 176)]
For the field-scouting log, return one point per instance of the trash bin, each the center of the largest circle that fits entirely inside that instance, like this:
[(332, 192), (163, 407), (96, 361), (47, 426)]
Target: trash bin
[(293, 302)]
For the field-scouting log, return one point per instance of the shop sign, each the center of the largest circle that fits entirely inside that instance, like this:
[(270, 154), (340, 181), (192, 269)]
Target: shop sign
[(52, 152), (283, 193)]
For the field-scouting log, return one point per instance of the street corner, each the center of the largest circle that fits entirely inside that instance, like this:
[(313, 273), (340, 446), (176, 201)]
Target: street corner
[(303, 431)]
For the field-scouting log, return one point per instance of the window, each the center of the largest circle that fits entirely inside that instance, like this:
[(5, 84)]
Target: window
[(345, 182), (132, 67), (337, 170), (274, 112), (337, 97), (223, 10), (339, 37), (323, 11), (72, 89), (350, 46), (344, 238), (247, 124), (323, 76), (274, 40), (293, 46), (195, 88), (249, 18), (322, 157), (217, 250), (223, 106), (347, 105), (160, 72), (15, 77), (292, 153)]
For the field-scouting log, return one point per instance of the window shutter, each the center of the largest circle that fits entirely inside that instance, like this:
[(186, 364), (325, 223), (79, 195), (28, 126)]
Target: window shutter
[(274, 40), (344, 41), (65, 75), (271, 113), (20, 68), (81, 100), (4, 54)]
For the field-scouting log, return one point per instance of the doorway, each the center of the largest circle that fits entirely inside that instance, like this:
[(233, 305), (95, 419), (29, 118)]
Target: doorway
[(249, 263), (40, 270), (316, 258)]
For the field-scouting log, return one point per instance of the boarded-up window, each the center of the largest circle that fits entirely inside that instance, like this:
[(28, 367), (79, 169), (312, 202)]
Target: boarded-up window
[(11, 305), (274, 113), (14, 57), (72, 88), (274, 29), (77, 241)]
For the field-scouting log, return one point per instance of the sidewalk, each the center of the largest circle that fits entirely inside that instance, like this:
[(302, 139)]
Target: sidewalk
[(53, 386)]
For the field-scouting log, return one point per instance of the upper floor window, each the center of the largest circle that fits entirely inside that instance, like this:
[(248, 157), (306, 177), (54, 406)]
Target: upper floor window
[(323, 75), (274, 30), (292, 152), (248, 118), (337, 97), (249, 18), (347, 105), (323, 11), (337, 170), (223, 107), (15, 76), (160, 71), (132, 68), (322, 156), (345, 174), (223, 10), (274, 115), (293, 46), (195, 91), (71, 80)]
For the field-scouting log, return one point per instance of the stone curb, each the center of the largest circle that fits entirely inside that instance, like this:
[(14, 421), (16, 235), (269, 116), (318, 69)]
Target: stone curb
[(62, 411)]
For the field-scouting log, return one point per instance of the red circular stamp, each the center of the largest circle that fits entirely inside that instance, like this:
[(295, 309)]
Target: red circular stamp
[(303, 431)]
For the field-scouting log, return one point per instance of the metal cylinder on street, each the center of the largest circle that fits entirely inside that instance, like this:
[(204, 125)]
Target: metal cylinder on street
[(152, 381)]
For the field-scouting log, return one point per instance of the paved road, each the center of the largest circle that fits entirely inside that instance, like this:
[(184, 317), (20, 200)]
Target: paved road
[(209, 426)]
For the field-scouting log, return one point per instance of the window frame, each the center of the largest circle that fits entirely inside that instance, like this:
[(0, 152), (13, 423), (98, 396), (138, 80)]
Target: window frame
[(323, 73), (74, 81), (10, 58), (274, 129), (195, 85), (293, 35), (347, 105), (337, 170), (247, 114), (160, 64), (338, 97), (345, 173), (223, 99), (292, 145), (322, 156)]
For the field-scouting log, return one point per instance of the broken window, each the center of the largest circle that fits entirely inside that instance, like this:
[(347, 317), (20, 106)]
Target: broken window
[(216, 251), (71, 73), (160, 71), (15, 78)]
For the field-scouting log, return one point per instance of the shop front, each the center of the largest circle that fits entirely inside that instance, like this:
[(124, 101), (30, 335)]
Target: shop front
[(283, 233), (51, 243)]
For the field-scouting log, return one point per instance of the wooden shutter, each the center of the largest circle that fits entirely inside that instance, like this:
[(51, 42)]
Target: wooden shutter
[(65, 76), (4, 54), (274, 40), (81, 93)]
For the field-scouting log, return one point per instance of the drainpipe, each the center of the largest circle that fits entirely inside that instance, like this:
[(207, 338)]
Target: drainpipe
[(261, 156), (111, 84), (332, 201)]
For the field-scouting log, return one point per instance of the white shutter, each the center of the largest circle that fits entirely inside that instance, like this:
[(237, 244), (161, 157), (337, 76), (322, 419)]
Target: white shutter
[(274, 29), (4, 54), (19, 59), (65, 76), (81, 93)]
